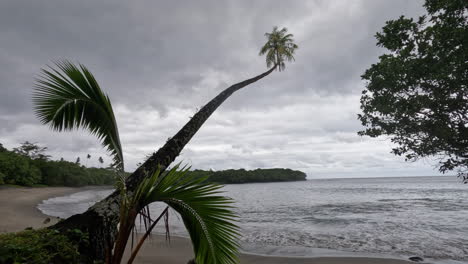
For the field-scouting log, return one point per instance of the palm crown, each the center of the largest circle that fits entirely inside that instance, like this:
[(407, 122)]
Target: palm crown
[(279, 47)]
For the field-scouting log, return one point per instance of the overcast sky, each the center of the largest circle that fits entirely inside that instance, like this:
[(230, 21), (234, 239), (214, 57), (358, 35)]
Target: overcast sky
[(161, 60)]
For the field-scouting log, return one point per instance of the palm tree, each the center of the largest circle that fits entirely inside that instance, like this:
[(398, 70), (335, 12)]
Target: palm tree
[(206, 215), (87, 157), (101, 161), (65, 97), (279, 47)]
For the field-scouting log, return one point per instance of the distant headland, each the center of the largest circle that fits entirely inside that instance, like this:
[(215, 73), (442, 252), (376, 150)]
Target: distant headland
[(251, 176)]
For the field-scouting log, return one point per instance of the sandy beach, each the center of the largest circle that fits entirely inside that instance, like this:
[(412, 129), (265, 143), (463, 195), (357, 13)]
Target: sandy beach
[(18, 211)]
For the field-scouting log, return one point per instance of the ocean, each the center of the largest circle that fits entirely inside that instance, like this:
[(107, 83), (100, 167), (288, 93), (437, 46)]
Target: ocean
[(383, 217)]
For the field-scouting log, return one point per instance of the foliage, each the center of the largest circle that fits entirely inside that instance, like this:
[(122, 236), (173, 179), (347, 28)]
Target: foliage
[(246, 176), (417, 93), (208, 217), (18, 169), (69, 97), (31, 150), (64, 173), (22, 170), (43, 246), (279, 48)]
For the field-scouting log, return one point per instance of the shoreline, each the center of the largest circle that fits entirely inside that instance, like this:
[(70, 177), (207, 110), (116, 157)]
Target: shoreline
[(18, 208)]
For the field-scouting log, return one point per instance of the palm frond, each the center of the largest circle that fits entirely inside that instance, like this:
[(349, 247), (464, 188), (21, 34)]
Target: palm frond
[(68, 97), (207, 215)]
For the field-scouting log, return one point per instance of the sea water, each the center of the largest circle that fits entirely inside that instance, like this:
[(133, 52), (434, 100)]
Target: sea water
[(401, 217)]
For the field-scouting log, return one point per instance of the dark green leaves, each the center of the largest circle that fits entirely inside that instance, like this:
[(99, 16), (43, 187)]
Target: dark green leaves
[(418, 92), (208, 216), (68, 97)]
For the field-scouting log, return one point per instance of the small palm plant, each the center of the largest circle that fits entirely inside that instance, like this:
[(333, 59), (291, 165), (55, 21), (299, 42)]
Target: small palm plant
[(68, 97), (206, 215)]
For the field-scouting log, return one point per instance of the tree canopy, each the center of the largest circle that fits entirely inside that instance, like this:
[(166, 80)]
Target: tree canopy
[(417, 92), (279, 47), (31, 150), (20, 167), (248, 176)]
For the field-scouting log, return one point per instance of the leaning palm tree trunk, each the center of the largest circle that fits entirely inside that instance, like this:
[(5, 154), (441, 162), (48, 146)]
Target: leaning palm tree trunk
[(101, 220)]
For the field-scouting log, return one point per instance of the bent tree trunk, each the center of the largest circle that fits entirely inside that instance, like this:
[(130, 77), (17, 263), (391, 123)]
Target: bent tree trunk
[(100, 221)]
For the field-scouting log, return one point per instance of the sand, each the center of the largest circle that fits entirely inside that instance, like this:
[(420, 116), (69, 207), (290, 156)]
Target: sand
[(18, 207), (18, 211)]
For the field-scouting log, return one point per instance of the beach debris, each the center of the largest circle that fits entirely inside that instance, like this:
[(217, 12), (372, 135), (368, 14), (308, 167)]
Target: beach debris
[(416, 259), (46, 221)]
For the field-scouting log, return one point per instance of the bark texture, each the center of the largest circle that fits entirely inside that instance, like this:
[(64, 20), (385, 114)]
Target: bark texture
[(101, 220)]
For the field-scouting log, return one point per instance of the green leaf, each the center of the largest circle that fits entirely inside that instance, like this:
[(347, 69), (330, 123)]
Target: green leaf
[(208, 216), (68, 97)]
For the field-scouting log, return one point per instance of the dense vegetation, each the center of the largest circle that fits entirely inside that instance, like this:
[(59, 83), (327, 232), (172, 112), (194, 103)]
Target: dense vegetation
[(246, 176), (43, 246), (29, 166), (417, 94)]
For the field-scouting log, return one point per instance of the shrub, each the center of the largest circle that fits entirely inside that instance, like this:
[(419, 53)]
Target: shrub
[(42, 246)]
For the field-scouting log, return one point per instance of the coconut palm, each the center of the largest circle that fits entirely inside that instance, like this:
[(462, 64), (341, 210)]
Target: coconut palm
[(55, 104), (279, 48)]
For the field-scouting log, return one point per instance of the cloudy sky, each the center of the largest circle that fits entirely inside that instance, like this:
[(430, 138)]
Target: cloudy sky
[(160, 61)]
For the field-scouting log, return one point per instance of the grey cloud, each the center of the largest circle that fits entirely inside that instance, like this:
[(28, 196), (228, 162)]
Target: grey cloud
[(160, 61)]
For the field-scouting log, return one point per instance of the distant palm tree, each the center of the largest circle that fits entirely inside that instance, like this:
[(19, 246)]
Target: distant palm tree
[(77, 160), (88, 157), (101, 161), (279, 47), (69, 97)]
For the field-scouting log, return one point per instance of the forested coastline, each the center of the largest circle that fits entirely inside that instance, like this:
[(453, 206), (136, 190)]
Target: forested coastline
[(251, 176), (28, 165)]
